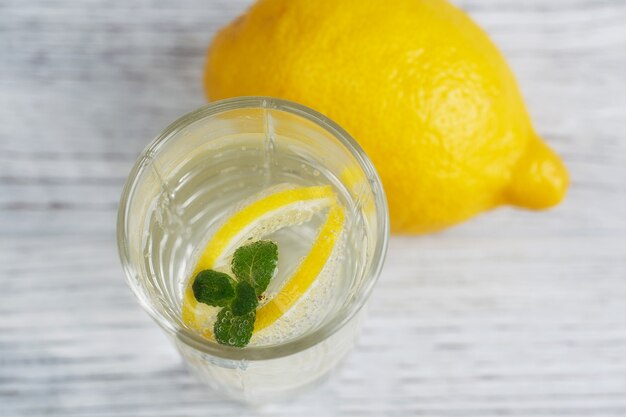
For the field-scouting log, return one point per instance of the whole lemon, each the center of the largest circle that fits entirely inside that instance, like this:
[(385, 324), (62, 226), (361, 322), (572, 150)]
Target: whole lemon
[(419, 86)]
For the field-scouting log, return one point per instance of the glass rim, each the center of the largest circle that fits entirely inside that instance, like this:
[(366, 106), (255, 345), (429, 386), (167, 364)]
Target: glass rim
[(332, 326)]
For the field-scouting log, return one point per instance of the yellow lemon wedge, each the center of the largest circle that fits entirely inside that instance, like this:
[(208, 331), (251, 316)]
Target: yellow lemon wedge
[(306, 273), (261, 217)]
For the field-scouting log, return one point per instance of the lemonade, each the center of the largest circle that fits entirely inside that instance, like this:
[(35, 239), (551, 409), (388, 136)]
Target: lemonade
[(188, 214), (219, 187), (287, 303)]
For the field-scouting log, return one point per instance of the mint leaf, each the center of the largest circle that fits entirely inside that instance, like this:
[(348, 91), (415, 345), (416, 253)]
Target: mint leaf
[(245, 299), (234, 330), (256, 263), (213, 288)]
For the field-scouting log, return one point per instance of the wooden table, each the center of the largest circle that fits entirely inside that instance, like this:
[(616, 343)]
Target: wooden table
[(512, 314)]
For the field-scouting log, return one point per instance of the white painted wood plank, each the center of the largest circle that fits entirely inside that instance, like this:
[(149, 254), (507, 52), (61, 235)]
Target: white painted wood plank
[(514, 313), (452, 330)]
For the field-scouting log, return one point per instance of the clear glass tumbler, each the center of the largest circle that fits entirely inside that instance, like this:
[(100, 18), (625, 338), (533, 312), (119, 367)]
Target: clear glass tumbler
[(189, 178)]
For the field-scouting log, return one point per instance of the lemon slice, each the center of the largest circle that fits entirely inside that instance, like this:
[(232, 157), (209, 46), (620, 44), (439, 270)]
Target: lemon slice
[(262, 217), (306, 273)]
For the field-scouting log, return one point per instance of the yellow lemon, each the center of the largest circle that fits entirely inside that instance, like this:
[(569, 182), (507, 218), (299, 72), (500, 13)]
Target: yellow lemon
[(416, 82), (273, 211)]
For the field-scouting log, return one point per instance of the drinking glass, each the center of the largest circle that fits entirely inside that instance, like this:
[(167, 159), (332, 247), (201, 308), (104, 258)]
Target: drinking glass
[(192, 175)]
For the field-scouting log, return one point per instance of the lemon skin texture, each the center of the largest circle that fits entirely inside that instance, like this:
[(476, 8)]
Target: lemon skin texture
[(416, 82)]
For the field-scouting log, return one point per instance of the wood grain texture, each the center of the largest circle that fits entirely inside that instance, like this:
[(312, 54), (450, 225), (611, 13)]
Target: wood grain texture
[(512, 314)]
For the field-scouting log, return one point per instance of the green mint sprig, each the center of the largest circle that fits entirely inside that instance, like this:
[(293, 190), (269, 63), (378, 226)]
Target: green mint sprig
[(214, 288), (234, 330), (256, 263), (245, 300), (254, 266)]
